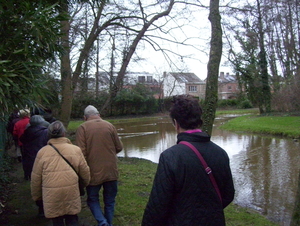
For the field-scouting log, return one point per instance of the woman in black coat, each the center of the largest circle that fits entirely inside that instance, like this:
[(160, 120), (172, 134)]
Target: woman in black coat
[(33, 139), (182, 192)]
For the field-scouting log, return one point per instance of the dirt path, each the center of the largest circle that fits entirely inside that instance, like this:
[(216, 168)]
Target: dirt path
[(21, 210)]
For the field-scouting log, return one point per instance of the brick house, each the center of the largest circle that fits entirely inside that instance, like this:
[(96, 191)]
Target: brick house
[(228, 86), (102, 80), (174, 83), (189, 83)]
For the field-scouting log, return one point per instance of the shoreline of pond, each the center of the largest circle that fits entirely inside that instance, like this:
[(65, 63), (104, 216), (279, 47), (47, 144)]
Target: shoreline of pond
[(287, 128)]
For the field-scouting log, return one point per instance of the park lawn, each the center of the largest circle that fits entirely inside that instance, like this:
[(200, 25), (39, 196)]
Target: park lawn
[(288, 126), (237, 111), (135, 183)]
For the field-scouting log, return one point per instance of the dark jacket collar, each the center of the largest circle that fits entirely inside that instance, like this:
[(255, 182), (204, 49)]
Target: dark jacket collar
[(193, 137)]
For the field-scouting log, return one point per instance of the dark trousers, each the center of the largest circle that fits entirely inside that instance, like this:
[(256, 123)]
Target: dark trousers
[(66, 220), (39, 203)]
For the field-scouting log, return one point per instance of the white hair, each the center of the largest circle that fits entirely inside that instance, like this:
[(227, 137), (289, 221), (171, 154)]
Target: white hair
[(90, 110)]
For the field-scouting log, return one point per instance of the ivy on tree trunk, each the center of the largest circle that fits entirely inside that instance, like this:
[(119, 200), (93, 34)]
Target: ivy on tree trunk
[(66, 74), (211, 95)]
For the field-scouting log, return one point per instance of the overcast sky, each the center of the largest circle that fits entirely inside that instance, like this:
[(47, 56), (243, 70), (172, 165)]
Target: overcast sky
[(192, 57), (197, 34)]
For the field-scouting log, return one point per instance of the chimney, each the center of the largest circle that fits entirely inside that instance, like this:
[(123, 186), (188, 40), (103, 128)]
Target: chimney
[(222, 75)]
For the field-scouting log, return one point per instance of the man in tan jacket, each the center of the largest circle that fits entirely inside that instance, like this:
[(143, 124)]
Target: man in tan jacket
[(99, 142)]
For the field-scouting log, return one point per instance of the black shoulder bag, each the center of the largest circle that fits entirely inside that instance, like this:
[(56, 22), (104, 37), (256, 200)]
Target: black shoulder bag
[(80, 180)]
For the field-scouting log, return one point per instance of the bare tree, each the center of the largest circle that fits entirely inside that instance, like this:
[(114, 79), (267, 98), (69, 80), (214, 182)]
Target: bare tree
[(106, 16), (211, 95), (273, 29), (129, 53), (69, 79)]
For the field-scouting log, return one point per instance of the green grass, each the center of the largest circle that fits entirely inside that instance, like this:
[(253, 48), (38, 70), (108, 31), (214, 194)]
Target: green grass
[(288, 126), (73, 125), (237, 216), (136, 177), (135, 182), (238, 111)]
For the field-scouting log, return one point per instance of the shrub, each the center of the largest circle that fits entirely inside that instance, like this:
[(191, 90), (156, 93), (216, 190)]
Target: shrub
[(227, 103), (81, 102), (133, 102), (138, 100), (287, 99), (245, 104)]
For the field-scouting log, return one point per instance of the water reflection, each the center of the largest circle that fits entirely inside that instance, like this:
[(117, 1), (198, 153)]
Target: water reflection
[(265, 169), (266, 176), (146, 139)]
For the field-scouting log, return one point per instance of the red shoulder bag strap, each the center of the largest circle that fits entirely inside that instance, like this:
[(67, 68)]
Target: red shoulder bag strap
[(206, 167)]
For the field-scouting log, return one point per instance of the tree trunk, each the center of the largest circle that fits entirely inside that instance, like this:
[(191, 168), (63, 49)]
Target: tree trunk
[(69, 80), (97, 70), (298, 53), (211, 95), (66, 72), (263, 64)]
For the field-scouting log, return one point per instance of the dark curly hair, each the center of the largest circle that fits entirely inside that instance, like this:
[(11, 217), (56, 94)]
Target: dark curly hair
[(186, 111)]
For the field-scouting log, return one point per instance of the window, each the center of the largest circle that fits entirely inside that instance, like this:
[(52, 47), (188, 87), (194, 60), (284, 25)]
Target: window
[(149, 79), (192, 88), (229, 87), (141, 79)]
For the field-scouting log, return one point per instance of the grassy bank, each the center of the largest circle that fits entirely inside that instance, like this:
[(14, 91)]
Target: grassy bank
[(136, 176), (275, 125), (253, 111)]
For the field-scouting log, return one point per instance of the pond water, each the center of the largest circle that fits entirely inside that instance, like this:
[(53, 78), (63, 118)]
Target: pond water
[(265, 169)]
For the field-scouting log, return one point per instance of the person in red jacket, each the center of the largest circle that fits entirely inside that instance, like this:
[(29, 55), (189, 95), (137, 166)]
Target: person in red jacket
[(19, 129)]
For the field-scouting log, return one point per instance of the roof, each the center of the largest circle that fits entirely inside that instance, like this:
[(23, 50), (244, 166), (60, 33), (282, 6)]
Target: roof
[(227, 78), (185, 77)]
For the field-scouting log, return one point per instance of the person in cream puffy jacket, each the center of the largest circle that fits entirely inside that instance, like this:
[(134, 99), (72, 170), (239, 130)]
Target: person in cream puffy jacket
[(54, 182)]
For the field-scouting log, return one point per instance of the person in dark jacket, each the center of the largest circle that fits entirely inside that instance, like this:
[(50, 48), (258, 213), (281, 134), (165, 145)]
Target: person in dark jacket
[(48, 116), (33, 139), (182, 192)]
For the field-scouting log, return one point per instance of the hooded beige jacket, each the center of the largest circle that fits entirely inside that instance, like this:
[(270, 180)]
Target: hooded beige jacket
[(55, 182)]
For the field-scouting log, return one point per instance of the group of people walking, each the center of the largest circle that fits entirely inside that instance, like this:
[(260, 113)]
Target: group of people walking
[(182, 194)]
